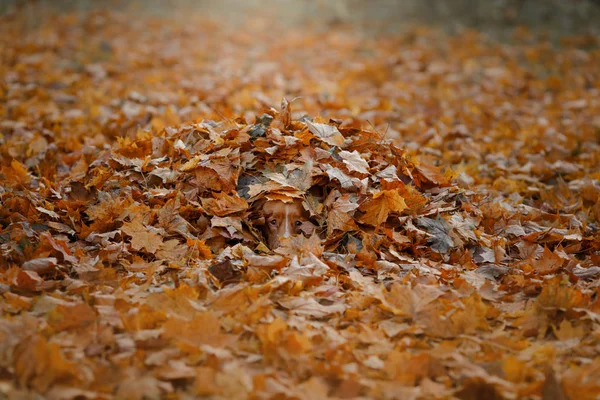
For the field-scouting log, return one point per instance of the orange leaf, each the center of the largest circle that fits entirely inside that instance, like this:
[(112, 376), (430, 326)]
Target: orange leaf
[(39, 365), (203, 251), (383, 203)]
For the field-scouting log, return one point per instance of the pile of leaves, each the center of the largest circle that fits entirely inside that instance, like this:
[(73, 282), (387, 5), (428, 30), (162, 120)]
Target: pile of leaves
[(454, 196)]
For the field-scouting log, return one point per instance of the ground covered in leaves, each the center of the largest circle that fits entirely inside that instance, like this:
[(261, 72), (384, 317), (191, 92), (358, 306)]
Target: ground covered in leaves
[(452, 184)]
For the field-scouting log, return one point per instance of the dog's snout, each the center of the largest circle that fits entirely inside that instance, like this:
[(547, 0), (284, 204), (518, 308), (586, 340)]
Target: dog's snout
[(283, 220)]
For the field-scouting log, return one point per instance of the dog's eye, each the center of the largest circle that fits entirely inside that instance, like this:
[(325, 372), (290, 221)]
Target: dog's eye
[(273, 222), (298, 223)]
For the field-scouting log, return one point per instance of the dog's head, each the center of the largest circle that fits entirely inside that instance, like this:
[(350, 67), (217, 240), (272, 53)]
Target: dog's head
[(282, 220)]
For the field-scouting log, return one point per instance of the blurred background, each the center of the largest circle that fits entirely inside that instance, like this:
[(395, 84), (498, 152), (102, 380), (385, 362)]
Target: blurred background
[(496, 17)]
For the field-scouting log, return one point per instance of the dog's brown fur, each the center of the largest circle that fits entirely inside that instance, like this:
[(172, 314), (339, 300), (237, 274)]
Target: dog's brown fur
[(282, 220)]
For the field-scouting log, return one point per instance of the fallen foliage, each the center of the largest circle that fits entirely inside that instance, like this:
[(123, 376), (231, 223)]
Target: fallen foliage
[(452, 185)]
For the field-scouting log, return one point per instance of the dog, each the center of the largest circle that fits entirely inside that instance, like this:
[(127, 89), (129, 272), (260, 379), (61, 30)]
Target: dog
[(283, 220)]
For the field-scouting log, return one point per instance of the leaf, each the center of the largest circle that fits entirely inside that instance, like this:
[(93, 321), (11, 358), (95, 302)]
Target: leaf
[(354, 161), (165, 174), (431, 174), (301, 178), (205, 328), (346, 181), (439, 317), (79, 170), (411, 301), (18, 173), (201, 250), (223, 204), (142, 238), (208, 179), (40, 265), (79, 315), (27, 280), (327, 133), (548, 263), (274, 262), (310, 307), (380, 206), (40, 364), (139, 388), (191, 164), (286, 112), (440, 240), (339, 216), (224, 272), (231, 224)]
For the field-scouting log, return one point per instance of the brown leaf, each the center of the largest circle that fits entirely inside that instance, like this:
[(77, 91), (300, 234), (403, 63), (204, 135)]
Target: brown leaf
[(354, 161), (224, 272), (327, 133), (40, 364), (310, 307), (79, 315), (340, 215), (205, 328), (548, 263), (142, 237), (223, 204), (286, 113), (383, 203), (40, 265)]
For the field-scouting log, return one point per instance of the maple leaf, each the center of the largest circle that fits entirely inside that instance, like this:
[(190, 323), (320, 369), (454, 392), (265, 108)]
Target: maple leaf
[(556, 294), (340, 217), (39, 364), (327, 133), (429, 173), (203, 329), (310, 307), (380, 206), (18, 173), (408, 301), (223, 204), (142, 237), (346, 181), (549, 263), (201, 250), (438, 228), (354, 161), (406, 367), (40, 265), (300, 178), (72, 316)]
